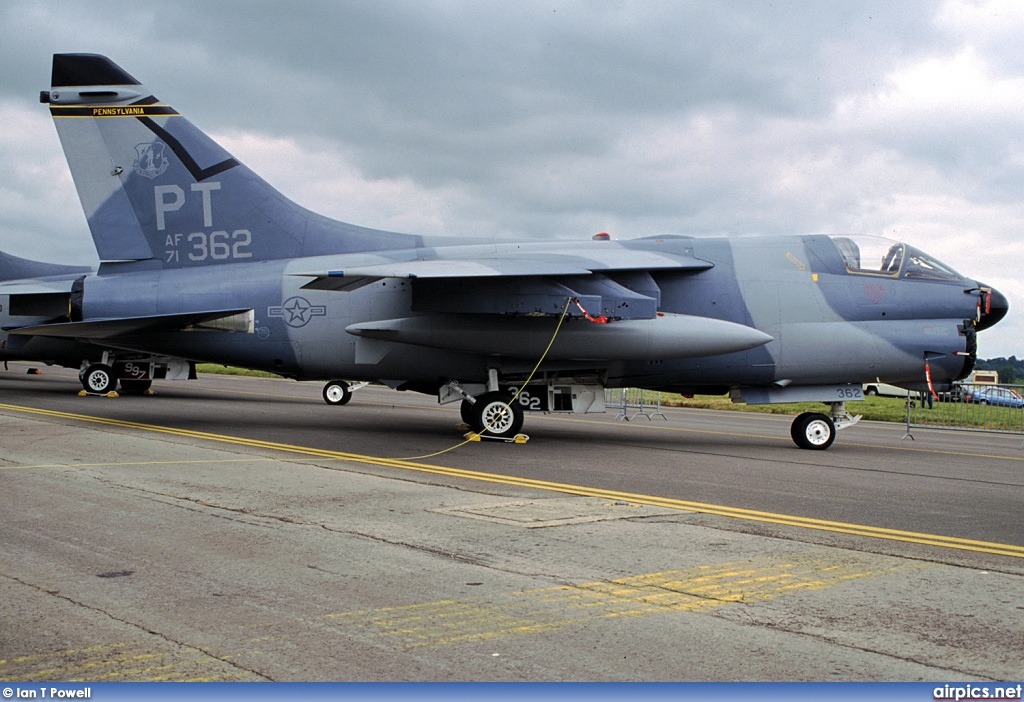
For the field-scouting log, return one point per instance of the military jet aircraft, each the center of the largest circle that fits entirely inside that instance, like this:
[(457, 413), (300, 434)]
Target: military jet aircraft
[(202, 259), (35, 292)]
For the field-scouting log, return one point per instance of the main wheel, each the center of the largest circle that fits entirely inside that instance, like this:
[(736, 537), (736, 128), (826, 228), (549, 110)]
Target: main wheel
[(466, 411), (99, 378), (813, 431), (494, 414), (336, 392)]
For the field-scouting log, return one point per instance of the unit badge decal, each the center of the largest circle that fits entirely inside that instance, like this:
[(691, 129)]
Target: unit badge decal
[(151, 160)]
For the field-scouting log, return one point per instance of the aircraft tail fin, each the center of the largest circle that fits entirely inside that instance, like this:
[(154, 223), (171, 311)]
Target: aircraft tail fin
[(157, 189)]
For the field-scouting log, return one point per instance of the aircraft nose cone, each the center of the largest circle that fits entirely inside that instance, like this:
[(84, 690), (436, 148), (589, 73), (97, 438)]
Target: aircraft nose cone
[(992, 310)]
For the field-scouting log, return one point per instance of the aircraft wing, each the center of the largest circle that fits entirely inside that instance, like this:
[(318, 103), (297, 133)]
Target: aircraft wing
[(223, 320), (606, 279), (444, 268), (506, 261)]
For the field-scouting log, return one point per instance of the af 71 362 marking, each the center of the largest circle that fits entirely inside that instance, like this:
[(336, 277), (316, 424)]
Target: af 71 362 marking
[(199, 246), (218, 246)]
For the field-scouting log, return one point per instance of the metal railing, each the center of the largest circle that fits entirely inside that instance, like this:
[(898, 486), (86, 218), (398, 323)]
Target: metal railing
[(646, 403), (969, 407)]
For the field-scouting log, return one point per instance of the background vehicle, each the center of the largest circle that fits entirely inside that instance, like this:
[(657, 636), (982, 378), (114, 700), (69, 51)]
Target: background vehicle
[(983, 377), (885, 390), (1002, 397)]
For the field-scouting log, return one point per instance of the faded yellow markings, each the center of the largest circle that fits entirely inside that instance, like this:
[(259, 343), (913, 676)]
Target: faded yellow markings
[(696, 589), (121, 662), (473, 619)]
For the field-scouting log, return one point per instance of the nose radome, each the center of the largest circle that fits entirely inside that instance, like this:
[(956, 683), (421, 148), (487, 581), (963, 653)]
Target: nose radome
[(993, 310)]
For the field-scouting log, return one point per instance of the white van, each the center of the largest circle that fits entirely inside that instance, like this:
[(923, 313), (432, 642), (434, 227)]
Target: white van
[(885, 390)]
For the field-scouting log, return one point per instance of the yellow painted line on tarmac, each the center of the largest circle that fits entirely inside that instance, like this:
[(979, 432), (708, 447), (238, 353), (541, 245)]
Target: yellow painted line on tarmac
[(124, 464), (652, 500), (764, 416)]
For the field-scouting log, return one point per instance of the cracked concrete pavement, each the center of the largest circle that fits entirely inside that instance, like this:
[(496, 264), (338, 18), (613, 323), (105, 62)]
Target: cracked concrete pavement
[(146, 557)]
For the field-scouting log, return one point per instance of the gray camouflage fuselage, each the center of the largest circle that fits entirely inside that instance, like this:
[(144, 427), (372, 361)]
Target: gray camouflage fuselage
[(841, 328)]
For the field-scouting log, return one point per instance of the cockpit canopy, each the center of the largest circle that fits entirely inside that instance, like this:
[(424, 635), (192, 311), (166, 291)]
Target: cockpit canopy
[(878, 256)]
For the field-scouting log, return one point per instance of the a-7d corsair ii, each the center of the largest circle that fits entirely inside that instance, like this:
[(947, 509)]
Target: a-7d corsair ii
[(189, 237)]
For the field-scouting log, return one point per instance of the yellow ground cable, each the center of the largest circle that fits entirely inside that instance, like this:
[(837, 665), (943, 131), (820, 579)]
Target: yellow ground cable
[(518, 392)]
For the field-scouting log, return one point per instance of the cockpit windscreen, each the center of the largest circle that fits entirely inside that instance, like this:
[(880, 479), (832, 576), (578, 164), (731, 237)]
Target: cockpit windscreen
[(879, 256)]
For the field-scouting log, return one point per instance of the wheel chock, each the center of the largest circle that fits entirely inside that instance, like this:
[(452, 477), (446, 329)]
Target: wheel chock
[(112, 393), (517, 439)]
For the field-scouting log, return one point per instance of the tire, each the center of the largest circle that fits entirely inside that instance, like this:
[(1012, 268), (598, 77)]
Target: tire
[(494, 414), (871, 392), (466, 410), (135, 387), (813, 431), (99, 379), (337, 393)]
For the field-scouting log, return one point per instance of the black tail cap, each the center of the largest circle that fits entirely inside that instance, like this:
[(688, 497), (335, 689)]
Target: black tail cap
[(72, 70)]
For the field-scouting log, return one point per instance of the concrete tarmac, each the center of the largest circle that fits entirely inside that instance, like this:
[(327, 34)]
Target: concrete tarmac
[(131, 553)]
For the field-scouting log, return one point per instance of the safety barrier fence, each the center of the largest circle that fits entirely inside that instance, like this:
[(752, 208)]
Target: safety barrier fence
[(634, 402), (969, 407)]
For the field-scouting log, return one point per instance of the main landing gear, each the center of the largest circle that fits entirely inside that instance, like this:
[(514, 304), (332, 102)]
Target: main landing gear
[(101, 379), (338, 392), (493, 414), (134, 372), (816, 432), (98, 378), (487, 410)]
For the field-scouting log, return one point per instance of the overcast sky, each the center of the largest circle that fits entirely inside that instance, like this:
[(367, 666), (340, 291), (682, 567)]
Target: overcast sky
[(563, 119)]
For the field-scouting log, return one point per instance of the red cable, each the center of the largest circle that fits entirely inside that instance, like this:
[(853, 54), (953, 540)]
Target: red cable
[(597, 320)]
